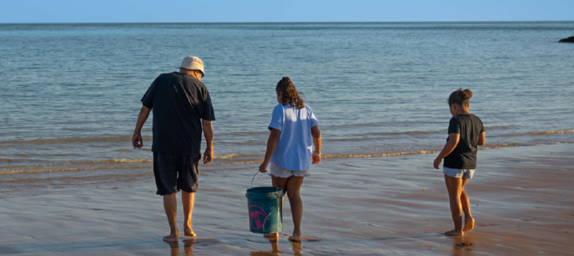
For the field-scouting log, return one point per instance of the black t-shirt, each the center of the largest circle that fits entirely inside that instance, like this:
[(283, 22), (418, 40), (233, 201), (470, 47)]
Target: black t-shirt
[(464, 154), (178, 102)]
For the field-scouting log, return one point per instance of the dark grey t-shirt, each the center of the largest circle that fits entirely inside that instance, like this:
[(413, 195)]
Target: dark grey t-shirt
[(179, 102), (464, 154)]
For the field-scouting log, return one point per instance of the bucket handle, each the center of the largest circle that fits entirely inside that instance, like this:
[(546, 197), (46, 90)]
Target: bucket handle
[(254, 178)]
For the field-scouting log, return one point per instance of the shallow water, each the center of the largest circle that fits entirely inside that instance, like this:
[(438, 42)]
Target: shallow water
[(70, 92)]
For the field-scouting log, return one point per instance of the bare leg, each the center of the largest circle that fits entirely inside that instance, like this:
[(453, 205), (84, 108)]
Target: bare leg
[(188, 199), (468, 219), (293, 186), (274, 245), (170, 206), (454, 187), (281, 183)]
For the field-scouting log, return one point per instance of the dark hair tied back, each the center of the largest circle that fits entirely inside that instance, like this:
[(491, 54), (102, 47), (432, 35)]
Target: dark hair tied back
[(289, 94), (460, 97)]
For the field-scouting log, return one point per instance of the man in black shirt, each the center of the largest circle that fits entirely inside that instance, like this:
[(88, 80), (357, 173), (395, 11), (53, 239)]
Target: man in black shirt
[(181, 109)]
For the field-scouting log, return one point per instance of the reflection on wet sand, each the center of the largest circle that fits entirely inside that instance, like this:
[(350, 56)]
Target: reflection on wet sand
[(274, 249), (296, 247), (462, 245), (187, 247)]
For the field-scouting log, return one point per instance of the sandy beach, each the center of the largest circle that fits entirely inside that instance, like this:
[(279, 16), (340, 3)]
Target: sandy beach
[(522, 199)]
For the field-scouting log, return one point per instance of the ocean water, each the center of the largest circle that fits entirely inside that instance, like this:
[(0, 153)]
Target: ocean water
[(70, 93)]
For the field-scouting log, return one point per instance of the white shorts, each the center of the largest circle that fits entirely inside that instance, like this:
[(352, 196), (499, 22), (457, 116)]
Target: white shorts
[(458, 173), (275, 170)]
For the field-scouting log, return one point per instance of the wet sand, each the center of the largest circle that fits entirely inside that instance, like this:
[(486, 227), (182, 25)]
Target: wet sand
[(521, 197)]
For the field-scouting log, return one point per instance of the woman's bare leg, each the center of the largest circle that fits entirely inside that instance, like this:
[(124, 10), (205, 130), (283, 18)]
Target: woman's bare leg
[(468, 219), (454, 187), (293, 187), (281, 183)]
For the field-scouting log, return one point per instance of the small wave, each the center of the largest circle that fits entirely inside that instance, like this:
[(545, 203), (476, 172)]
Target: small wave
[(384, 135), (335, 156), (229, 159), (69, 165), (111, 161), (551, 132), (73, 169), (493, 146), (116, 162), (231, 156), (497, 127), (72, 140), (409, 132)]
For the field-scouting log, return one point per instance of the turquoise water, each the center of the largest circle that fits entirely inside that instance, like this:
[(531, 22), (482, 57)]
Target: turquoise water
[(69, 93)]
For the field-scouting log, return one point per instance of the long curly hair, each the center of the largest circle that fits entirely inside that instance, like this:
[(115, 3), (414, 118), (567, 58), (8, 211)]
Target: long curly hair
[(289, 94), (460, 97)]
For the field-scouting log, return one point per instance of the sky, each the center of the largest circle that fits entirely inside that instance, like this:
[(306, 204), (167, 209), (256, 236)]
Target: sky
[(111, 11)]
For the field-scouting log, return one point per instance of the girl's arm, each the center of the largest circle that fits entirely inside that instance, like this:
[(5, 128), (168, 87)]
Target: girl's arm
[(453, 139), (271, 144), (317, 142), (481, 139)]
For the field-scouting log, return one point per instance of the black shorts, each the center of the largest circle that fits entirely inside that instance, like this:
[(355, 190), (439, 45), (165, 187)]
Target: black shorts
[(174, 172)]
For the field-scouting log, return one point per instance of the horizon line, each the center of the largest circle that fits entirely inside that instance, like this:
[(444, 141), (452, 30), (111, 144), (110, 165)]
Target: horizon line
[(280, 22)]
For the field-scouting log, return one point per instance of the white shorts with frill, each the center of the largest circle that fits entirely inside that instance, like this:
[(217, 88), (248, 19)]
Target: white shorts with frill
[(276, 171)]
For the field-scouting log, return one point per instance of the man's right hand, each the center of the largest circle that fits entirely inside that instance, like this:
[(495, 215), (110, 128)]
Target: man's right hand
[(208, 156), (137, 141)]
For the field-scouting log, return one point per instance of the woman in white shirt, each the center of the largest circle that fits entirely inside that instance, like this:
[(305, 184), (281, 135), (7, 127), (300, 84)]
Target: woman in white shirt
[(289, 152)]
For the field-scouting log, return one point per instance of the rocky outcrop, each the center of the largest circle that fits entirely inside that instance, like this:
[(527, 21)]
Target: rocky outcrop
[(567, 40)]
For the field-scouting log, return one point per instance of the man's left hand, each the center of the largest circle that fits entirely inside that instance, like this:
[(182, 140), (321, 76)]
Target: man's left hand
[(208, 156)]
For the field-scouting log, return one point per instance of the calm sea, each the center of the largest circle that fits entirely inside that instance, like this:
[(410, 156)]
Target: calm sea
[(70, 93)]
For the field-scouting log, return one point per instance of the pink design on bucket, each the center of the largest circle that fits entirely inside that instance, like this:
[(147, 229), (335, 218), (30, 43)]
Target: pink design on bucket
[(255, 220)]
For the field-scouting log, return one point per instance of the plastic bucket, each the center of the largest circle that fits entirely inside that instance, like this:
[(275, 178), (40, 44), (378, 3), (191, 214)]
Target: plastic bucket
[(265, 209)]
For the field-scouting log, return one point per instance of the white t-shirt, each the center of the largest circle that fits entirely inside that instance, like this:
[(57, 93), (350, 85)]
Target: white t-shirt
[(295, 147)]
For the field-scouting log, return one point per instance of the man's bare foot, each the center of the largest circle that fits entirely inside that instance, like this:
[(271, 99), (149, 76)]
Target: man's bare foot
[(295, 239), (188, 231), (173, 237), (454, 233), (468, 225)]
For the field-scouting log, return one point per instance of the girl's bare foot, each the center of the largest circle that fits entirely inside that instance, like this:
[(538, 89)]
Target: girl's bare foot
[(468, 225), (271, 236), (295, 239), (188, 231), (173, 237), (454, 233)]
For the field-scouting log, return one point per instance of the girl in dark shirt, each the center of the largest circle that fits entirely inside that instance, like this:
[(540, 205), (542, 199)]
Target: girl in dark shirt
[(465, 132)]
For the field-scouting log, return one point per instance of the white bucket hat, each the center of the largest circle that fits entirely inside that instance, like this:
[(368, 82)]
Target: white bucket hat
[(192, 63)]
